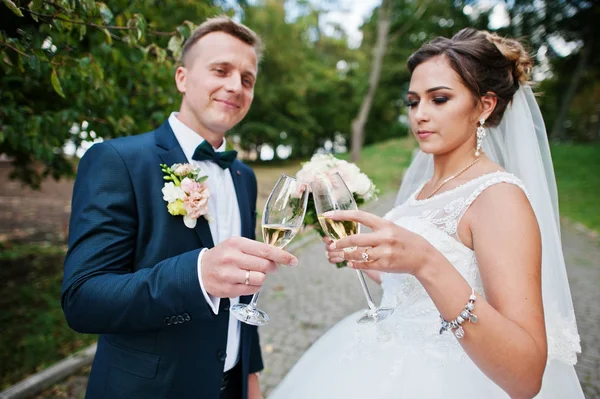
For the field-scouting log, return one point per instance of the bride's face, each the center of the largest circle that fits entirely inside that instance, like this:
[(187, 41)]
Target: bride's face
[(442, 111)]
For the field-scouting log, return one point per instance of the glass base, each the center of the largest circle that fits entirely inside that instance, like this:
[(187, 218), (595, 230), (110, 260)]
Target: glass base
[(375, 316), (252, 316)]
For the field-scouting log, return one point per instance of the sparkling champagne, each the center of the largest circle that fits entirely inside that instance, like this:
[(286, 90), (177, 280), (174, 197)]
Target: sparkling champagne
[(337, 229), (278, 235)]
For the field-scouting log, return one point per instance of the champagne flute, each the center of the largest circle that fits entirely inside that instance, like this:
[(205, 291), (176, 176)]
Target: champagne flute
[(330, 193), (282, 218)]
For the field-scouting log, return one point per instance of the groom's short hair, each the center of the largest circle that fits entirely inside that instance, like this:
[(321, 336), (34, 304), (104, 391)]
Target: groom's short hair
[(224, 24)]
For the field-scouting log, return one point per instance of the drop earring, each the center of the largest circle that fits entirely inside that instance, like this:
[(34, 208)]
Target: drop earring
[(481, 133)]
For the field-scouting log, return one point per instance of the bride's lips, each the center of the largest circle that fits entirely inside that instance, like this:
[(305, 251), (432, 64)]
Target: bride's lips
[(423, 134)]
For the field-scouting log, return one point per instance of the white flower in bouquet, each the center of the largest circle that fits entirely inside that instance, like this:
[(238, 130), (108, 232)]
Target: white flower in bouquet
[(358, 183)]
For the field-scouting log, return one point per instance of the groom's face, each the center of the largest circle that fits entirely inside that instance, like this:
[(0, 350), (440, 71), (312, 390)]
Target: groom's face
[(217, 82)]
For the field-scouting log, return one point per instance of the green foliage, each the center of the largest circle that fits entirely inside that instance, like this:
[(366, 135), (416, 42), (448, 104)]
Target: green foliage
[(576, 168), (63, 63)]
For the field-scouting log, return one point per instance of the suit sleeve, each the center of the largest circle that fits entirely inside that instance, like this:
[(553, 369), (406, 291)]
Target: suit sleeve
[(256, 361), (101, 292)]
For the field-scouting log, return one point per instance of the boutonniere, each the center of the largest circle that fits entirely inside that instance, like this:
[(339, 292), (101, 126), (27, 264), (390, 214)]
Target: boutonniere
[(186, 192)]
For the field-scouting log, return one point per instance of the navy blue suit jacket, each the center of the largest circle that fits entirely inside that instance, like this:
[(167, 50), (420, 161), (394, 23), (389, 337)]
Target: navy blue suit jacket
[(131, 275)]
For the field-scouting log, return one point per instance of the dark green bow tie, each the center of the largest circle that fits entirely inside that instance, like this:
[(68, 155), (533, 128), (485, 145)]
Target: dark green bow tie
[(205, 152)]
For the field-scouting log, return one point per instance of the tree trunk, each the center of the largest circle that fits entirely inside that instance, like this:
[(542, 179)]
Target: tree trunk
[(358, 124), (558, 130)]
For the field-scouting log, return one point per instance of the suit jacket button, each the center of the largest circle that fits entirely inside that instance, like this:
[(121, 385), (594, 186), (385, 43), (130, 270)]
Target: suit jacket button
[(221, 355), (180, 319), (187, 317), (173, 319), (168, 321)]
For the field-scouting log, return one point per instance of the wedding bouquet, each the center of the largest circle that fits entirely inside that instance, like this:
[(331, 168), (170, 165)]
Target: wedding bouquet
[(359, 184)]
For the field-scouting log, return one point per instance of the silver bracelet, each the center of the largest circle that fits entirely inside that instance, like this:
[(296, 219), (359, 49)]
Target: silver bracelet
[(467, 314)]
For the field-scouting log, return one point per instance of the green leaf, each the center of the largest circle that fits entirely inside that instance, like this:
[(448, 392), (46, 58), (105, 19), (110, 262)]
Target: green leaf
[(56, 84), (184, 31), (82, 31), (191, 26), (161, 54), (88, 6), (175, 44), (108, 36), (105, 13), (35, 5), (140, 23), (63, 22), (13, 7), (6, 59)]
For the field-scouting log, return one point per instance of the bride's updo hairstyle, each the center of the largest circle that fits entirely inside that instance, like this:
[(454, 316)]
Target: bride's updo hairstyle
[(485, 62)]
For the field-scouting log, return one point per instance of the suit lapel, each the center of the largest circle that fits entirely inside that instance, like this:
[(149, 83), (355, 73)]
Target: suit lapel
[(170, 152), (241, 192)]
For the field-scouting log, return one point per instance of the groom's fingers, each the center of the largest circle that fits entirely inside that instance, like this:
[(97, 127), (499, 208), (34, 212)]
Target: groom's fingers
[(255, 279), (266, 251), (255, 263)]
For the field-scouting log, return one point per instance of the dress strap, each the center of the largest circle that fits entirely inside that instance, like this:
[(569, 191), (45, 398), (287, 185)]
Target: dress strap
[(493, 179)]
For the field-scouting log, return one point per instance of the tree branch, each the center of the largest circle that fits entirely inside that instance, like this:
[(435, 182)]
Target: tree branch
[(14, 48), (93, 25)]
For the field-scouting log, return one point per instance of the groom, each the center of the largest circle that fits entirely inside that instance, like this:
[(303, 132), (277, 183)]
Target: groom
[(156, 291)]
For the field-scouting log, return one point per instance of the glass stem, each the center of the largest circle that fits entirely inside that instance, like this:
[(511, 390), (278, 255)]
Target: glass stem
[(363, 283), (252, 304)]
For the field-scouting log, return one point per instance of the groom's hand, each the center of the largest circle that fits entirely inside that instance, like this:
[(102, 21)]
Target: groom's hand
[(224, 267)]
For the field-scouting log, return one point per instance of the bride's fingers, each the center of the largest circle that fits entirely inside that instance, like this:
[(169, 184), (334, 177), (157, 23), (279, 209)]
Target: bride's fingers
[(356, 240), (365, 218), (363, 255)]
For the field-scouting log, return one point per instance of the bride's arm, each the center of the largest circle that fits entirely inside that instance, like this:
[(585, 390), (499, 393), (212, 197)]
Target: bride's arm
[(509, 341)]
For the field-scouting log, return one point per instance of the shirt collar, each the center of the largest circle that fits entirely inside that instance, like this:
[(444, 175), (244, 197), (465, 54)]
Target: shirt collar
[(187, 138)]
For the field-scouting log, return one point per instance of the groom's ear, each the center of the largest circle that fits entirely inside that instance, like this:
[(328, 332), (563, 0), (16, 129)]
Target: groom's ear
[(181, 79)]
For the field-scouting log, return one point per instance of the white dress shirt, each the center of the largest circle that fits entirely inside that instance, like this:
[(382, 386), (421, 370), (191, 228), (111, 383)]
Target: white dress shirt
[(225, 222)]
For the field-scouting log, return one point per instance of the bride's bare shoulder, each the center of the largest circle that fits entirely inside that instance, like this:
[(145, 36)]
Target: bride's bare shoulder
[(501, 201)]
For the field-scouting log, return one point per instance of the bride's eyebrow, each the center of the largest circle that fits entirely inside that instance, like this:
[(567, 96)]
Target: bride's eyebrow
[(436, 88)]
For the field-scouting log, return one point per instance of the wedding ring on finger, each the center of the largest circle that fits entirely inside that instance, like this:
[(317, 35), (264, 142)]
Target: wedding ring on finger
[(247, 281), (365, 255)]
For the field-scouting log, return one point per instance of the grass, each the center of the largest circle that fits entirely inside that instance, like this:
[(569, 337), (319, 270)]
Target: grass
[(34, 332), (577, 169)]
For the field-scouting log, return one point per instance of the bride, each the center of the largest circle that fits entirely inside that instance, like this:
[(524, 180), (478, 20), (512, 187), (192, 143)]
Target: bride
[(470, 258)]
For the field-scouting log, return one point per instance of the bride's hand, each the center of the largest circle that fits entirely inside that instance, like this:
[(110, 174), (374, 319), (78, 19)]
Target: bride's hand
[(390, 248)]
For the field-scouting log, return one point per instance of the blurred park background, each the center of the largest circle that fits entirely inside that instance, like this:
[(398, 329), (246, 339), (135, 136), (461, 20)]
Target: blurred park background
[(333, 79)]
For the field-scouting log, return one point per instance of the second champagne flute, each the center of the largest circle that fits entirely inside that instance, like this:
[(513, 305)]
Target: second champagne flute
[(330, 193), (282, 218)]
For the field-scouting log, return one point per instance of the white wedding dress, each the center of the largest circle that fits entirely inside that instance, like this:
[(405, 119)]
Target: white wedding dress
[(404, 356)]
